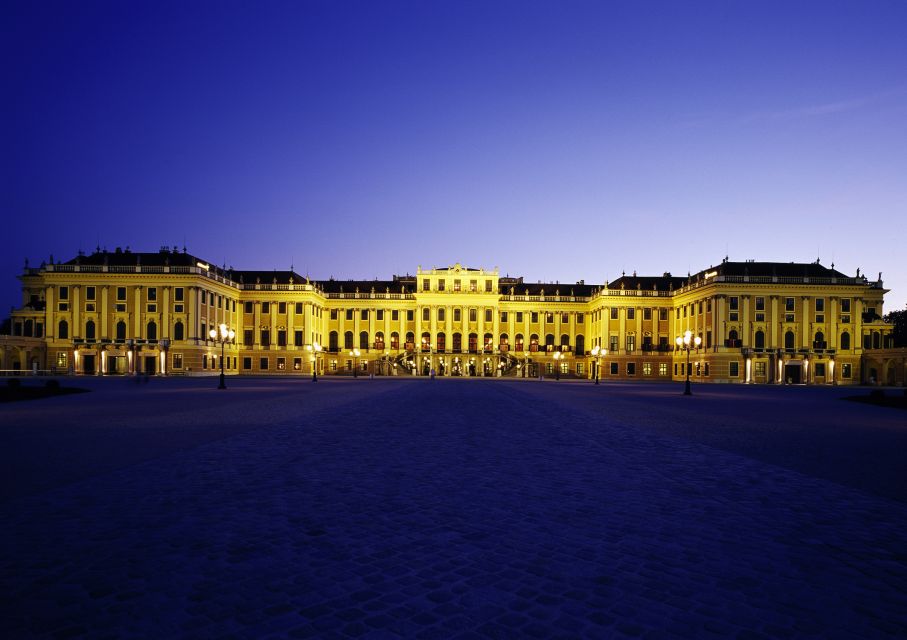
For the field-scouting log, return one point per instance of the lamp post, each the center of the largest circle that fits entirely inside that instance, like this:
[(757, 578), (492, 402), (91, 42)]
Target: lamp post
[(222, 334), (355, 353), (314, 349), (688, 342), (557, 364), (598, 353)]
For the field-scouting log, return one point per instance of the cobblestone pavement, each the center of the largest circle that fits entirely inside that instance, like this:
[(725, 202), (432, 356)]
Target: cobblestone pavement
[(453, 508)]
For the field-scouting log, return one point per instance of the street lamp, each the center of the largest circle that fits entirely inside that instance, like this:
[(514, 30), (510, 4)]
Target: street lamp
[(688, 342), (314, 349), (222, 334), (598, 353), (557, 364), (355, 353)]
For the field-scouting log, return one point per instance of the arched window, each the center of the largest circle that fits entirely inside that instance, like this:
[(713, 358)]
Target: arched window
[(178, 330), (504, 342), (518, 342), (363, 339), (789, 340), (580, 345), (442, 342), (819, 342), (565, 341), (457, 343), (473, 342), (379, 340), (426, 341), (29, 328), (845, 340), (348, 340), (395, 340), (876, 340), (549, 342), (534, 342), (89, 331), (488, 342), (410, 340), (151, 333), (760, 339), (732, 337), (333, 341), (63, 330), (121, 330)]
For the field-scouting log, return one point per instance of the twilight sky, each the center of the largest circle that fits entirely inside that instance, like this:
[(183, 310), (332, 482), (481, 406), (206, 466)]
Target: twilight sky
[(555, 140)]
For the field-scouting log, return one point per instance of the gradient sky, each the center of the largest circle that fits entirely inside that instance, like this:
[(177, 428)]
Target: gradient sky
[(555, 140)]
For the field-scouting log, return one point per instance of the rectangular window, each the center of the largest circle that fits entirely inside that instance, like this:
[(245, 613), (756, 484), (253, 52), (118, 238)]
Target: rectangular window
[(410, 314), (265, 337), (614, 369), (456, 315), (363, 315), (734, 303), (281, 338), (205, 361), (631, 313), (662, 314), (734, 316), (62, 359), (90, 306), (281, 364), (760, 369), (441, 284), (152, 293), (580, 318), (614, 313), (297, 338), (441, 314), (503, 316), (677, 310), (349, 314), (248, 337), (333, 314), (152, 308), (760, 303), (846, 370), (734, 369), (379, 315), (534, 318), (646, 368), (788, 317), (333, 366), (121, 293), (247, 363), (820, 317), (760, 317), (220, 302), (426, 314), (488, 286), (845, 319), (631, 368), (263, 364), (177, 361), (472, 315), (519, 316), (487, 315), (395, 316), (579, 369), (613, 344), (845, 305), (700, 307), (266, 307), (631, 343), (64, 293), (281, 307), (89, 293), (647, 313), (248, 307), (820, 369), (788, 304), (549, 317), (298, 308), (706, 368), (820, 305), (297, 364), (662, 368), (426, 284), (456, 285), (473, 285), (120, 307)]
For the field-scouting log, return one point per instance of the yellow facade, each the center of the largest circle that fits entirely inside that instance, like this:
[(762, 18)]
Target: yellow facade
[(125, 313)]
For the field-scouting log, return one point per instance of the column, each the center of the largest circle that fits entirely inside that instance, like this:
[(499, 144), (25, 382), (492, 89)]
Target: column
[(50, 313), (774, 322), (256, 333), (165, 316), (105, 313), (745, 333), (76, 315), (832, 335), (137, 312), (805, 338)]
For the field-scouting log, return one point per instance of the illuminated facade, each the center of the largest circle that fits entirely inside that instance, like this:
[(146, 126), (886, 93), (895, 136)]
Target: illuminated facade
[(124, 312)]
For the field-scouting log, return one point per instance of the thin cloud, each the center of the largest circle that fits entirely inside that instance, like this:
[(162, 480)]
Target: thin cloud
[(827, 108)]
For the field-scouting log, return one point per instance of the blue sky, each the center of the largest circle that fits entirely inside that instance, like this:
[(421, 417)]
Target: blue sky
[(555, 140)]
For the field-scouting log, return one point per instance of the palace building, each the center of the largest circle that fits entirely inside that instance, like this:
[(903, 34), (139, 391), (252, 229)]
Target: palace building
[(124, 312)]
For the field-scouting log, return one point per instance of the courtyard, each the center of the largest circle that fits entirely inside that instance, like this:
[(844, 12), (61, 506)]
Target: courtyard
[(452, 509)]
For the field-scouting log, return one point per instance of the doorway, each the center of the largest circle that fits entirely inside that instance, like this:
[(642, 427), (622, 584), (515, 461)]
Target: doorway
[(88, 365), (792, 373), (150, 365)]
